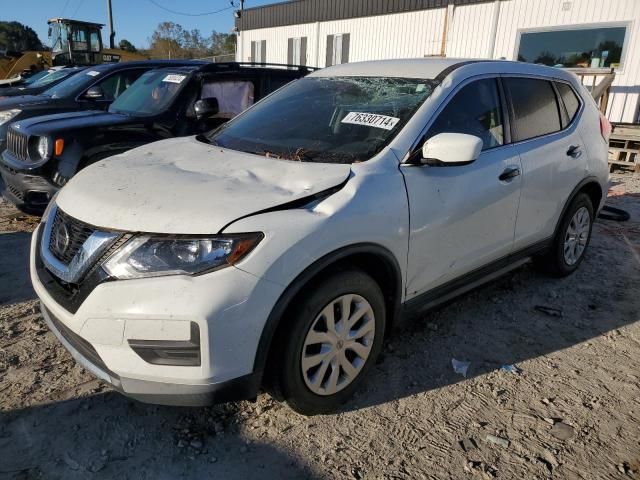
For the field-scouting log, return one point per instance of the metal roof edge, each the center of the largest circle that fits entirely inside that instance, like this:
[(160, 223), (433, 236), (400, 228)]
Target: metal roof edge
[(297, 12)]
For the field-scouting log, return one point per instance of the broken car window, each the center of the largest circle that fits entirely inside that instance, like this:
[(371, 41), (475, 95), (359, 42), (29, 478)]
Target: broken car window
[(330, 120)]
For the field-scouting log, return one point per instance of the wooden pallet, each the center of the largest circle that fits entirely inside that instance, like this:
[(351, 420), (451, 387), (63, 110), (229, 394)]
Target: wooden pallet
[(624, 147)]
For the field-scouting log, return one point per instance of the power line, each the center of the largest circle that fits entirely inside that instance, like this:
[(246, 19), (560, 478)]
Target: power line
[(186, 14), (77, 8), (66, 4)]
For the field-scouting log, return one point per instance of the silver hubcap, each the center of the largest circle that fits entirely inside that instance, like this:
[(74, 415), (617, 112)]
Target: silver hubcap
[(338, 344), (575, 241)]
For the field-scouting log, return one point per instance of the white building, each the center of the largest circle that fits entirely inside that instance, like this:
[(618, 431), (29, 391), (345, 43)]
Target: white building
[(574, 33)]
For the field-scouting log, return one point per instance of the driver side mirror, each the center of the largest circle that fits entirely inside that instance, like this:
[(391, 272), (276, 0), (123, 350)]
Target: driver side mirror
[(94, 93), (206, 108), (451, 149)]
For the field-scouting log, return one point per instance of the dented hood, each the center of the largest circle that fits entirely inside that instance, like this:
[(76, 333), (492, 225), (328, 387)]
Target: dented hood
[(185, 186)]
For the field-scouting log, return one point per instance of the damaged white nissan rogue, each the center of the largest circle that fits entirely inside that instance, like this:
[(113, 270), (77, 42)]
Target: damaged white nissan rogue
[(278, 250)]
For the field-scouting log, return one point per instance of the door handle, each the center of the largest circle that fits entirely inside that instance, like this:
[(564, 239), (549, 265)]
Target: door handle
[(574, 151), (509, 174)]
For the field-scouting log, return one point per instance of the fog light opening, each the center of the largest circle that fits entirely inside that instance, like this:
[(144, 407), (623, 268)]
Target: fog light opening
[(182, 353)]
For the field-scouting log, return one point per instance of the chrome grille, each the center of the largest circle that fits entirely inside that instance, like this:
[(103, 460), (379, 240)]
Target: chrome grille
[(76, 233), (18, 144)]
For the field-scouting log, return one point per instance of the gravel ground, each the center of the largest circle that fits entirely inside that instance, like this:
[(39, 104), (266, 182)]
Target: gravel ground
[(571, 410)]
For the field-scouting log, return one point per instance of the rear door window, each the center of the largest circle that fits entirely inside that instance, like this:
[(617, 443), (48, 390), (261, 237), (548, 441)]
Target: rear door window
[(234, 96), (570, 100), (535, 107), (474, 110)]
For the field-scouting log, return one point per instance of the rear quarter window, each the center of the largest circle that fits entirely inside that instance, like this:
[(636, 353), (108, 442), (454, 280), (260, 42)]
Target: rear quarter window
[(570, 100), (535, 107)]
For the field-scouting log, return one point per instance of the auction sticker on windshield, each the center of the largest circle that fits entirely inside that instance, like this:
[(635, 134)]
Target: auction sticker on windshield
[(92, 73), (371, 120), (174, 78)]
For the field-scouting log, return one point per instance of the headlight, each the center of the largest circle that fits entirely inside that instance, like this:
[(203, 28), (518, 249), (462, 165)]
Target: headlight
[(153, 256), (43, 148), (8, 115)]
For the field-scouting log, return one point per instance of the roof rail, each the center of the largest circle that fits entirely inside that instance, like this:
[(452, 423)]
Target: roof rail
[(268, 65)]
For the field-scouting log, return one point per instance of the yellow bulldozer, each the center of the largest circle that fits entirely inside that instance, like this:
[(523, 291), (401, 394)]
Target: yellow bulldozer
[(73, 42)]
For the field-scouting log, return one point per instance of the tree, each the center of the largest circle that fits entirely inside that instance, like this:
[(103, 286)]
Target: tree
[(194, 44), (546, 58), (230, 43), (166, 41), (614, 49), (127, 46), (170, 40), (223, 43), (18, 37)]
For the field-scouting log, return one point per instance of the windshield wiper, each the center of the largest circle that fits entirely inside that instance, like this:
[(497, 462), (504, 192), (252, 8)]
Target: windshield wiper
[(302, 155), (298, 155)]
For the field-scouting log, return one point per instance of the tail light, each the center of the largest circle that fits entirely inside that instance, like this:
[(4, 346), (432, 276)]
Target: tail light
[(605, 128)]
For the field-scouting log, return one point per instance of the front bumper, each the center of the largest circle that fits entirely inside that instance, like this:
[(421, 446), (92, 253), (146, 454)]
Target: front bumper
[(151, 391), (229, 306), (28, 191)]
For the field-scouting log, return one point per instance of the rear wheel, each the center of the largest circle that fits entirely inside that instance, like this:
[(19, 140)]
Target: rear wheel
[(335, 333), (572, 239)]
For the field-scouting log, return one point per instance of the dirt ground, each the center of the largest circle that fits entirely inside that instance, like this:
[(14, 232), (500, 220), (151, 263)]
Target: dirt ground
[(571, 410)]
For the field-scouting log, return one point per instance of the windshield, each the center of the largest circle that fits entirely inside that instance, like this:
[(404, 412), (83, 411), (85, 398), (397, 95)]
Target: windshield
[(151, 94), (52, 77), (35, 77), (71, 85), (331, 120)]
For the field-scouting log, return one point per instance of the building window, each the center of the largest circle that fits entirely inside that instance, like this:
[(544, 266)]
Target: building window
[(297, 51), (258, 51), (599, 47), (338, 49)]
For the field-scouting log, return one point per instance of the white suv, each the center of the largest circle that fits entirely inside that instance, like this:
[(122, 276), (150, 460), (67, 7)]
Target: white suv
[(279, 250)]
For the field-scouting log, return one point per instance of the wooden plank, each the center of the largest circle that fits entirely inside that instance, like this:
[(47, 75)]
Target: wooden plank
[(618, 162), (627, 150), (625, 131), (581, 72)]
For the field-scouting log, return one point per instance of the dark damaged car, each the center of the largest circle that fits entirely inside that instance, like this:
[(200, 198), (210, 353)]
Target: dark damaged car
[(43, 153), (92, 89)]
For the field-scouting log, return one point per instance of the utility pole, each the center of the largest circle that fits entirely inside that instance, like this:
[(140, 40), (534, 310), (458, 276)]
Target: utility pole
[(112, 34), (239, 41)]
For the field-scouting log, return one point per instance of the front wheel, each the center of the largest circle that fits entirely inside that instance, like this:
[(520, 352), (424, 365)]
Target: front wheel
[(334, 337), (572, 239)]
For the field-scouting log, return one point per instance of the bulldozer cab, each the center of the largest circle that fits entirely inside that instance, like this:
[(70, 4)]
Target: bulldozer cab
[(77, 43)]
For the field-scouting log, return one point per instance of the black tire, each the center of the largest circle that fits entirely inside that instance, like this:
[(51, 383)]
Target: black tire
[(553, 262), (615, 214), (287, 382)]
